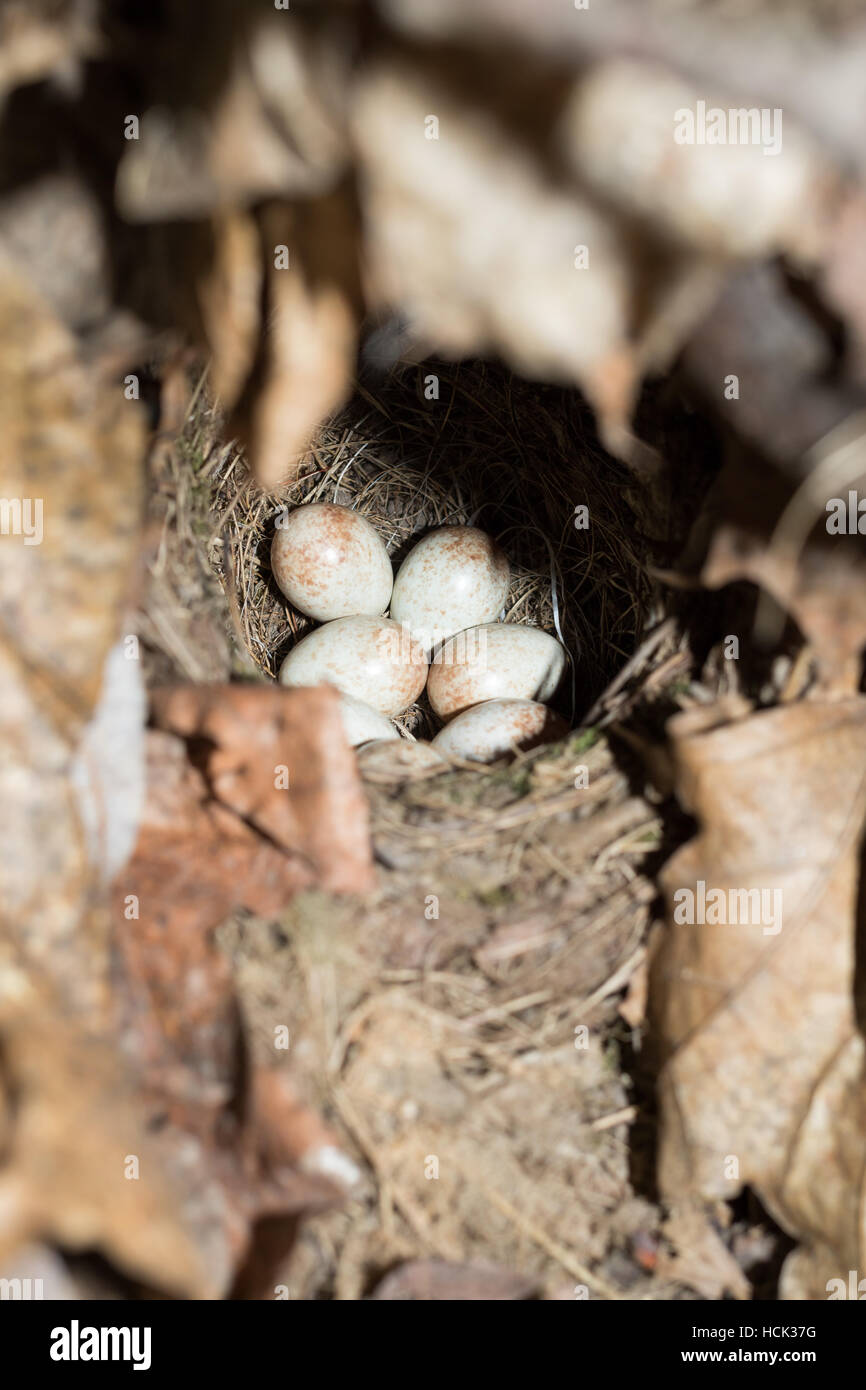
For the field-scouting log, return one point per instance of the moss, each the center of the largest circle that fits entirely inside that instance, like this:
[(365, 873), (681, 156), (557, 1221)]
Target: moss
[(612, 1057), (500, 896), (584, 740)]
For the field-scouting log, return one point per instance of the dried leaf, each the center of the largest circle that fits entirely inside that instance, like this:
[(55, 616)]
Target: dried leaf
[(230, 297), (618, 133), (312, 309), (279, 760), (781, 543), (270, 126), (762, 1079), (67, 1174), (42, 38), (700, 1260), (584, 297), (72, 464)]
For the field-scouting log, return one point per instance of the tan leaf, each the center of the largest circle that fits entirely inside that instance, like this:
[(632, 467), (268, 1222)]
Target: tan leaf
[(307, 354), (618, 134), (72, 452), (66, 1174), (762, 1077), (699, 1259), (41, 38), (230, 298), (467, 234), (260, 119), (771, 538)]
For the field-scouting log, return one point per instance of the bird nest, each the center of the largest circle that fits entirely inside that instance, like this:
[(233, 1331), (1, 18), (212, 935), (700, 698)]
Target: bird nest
[(518, 460), (465, 1015)]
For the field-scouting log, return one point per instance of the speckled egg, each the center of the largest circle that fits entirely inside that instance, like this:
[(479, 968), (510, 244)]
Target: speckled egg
[(370, 659), (498, 727), (453, 578), (330, 563), (362, 723), (496, 660)]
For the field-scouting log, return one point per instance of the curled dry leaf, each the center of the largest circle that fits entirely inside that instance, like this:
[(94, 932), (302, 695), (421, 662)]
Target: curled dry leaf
[(215, 838), (467, 233), (306, 355), (230, 298), (762, 1079), (447, 223), (270, 126), (779, 541), (44, 38), (618, 134)]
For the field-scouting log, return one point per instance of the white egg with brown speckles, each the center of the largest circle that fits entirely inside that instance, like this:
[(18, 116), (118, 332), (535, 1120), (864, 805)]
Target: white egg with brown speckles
[(362, 723), (331, 563), (494, 661), (370, 659), (498, 727), (455, 577)]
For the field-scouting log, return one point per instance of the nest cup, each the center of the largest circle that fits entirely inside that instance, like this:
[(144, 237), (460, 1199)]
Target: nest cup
[(519, 460)]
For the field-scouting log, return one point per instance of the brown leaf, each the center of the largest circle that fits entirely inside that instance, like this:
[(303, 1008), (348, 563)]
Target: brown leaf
[(215, 836), (43, 38), (584, 299), (843, 277), (311, 313), (764, 535), (230, 297), (762, 1081), (259, 737), (700, 1259), (217, 833), (72, 452), (788, 396), (67, 1174), (261, 118), (73, 1125)]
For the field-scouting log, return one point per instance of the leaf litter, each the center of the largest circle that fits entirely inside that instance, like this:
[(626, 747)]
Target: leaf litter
[(418, 1037)]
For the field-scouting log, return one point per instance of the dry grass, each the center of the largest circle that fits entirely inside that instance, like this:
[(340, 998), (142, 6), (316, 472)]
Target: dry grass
[(445, 1020)]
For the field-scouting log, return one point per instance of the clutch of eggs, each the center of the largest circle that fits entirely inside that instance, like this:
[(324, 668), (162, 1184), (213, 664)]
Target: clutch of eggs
[(454, 578), (331, 563), (495, 660), (499, 727), (368, 658)]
